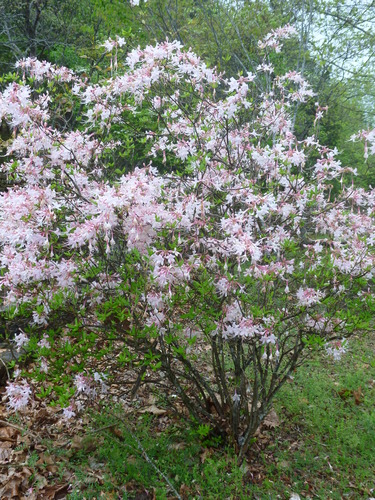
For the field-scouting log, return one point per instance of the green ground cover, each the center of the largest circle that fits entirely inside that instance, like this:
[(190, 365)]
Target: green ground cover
[(320, 446)]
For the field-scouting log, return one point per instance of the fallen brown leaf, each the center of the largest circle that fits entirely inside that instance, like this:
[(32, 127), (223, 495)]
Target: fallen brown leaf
[(344, 394), (177, 446), (17, 481), (52, 469), (154, 410), (11, 489), (186, 492), (108, 495), (5, 451), (45, 459), (358, 396), (117, 432), (41, 481), (271, 420), (8, 433), (206, 454), (85, 443), (53, 492)]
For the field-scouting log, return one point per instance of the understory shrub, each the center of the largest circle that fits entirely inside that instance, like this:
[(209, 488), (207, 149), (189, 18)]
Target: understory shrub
[(167, 219)]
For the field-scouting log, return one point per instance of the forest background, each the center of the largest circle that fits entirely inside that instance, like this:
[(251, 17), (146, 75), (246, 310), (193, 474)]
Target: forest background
[(334, 51)]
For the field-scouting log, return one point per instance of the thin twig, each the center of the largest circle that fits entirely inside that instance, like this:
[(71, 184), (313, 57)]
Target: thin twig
[(21, 429), (6, 368), (94, 431)]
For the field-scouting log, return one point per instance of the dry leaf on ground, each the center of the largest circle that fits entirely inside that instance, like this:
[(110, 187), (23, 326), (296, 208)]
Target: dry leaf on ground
[(271, 420), (154, 410)]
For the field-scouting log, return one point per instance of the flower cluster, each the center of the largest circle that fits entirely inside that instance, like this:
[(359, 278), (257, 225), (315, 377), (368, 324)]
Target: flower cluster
[(272, 39), (21, 340), (336, 349), (18, 394)]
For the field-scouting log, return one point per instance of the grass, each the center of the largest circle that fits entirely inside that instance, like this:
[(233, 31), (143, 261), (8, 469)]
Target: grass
[(327, 441), (323, 448), (176, 452)]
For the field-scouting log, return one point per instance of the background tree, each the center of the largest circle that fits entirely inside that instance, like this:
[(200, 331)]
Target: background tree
[(226, 34), (55, 30)]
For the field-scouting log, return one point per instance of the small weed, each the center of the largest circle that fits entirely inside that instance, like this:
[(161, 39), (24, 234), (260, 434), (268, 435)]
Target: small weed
[(32, 459)]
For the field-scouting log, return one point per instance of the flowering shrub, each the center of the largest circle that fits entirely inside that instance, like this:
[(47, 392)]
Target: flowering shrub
[(223, 268)]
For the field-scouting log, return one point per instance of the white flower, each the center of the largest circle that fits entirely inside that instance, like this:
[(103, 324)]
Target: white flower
[(308, 296), (336, 349), (68, 412), (44, 342), (43, 365), (108, 45), (84, 384), (236, 397), (18, 394), (97, 377), (21, 340)]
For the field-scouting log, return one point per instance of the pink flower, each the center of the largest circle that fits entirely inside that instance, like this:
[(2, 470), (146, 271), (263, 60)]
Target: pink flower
[(18, 394), (236, 397), (223, 287), (336, 349), (308, 296), (43, 365), (85, 385), (69, 412), (44, 342), (21, 340)]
